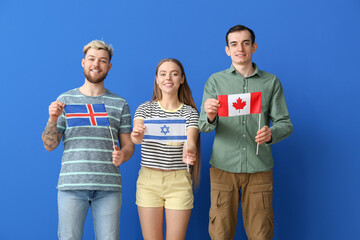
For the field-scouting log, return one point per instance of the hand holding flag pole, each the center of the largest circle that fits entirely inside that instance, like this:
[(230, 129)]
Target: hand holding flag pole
[(191, 157), (263, 135), (240, 104)]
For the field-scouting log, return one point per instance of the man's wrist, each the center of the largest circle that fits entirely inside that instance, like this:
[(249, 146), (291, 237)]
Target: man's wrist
[(211, 121), (269, 142), (52, 121)]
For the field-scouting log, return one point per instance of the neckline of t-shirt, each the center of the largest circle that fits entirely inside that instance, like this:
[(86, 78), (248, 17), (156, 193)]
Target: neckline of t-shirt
[(105, 93), (166, 110)]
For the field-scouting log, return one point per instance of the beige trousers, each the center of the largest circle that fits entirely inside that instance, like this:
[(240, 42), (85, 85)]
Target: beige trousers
[(256, 203)]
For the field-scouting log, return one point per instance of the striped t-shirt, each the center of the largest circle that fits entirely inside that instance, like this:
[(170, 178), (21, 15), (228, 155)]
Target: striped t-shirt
[(167, 156), (87, 158)]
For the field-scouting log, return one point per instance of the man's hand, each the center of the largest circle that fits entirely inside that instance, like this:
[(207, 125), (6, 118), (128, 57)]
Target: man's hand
[(211, 108), (263, 135), (118, 156), (55, 110), (51, 138)]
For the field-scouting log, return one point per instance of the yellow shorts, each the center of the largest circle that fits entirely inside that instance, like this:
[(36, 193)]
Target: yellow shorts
[(169, 189)]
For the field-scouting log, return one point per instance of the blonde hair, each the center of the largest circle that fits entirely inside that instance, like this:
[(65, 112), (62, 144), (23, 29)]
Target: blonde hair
[(185, 96), (99, 45)]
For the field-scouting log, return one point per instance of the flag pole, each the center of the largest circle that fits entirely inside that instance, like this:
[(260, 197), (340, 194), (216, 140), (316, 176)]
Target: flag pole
[(187, 157), (112, 137), (257, 147)]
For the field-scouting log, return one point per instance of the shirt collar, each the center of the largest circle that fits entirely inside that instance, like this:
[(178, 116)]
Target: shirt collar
[(256, 72)]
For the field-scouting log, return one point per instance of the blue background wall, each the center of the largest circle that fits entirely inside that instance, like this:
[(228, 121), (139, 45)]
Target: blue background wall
[(313, 46)]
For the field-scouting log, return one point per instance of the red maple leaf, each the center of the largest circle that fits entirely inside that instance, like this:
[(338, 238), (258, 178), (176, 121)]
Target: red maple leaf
[(239, 104)]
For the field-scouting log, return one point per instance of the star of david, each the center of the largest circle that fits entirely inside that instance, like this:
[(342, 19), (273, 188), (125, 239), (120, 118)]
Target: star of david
[(165, 129)]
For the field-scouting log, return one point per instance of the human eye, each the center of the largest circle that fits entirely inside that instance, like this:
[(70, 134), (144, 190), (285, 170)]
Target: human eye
[(162, 74), (175, 74)]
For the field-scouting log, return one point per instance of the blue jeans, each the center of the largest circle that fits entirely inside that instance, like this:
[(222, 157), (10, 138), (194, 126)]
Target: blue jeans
[(73, 207)]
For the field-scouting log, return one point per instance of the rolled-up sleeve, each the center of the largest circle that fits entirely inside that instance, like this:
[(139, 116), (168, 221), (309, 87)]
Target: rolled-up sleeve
[(279, 115), (209, 92)]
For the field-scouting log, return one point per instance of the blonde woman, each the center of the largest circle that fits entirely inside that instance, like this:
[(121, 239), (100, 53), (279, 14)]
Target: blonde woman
[(164, 184)]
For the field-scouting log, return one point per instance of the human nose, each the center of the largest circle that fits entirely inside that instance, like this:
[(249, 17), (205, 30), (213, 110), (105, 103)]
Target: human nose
[(96, 62)]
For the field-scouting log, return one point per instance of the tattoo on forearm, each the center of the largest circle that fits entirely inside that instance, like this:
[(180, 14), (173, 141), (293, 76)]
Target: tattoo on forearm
[(50, 136)]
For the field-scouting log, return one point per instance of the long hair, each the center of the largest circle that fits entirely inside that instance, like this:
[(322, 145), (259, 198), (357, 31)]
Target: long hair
[(185, 96)]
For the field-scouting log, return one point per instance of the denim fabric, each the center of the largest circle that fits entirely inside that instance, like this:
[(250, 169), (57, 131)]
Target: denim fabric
[(73, 207)]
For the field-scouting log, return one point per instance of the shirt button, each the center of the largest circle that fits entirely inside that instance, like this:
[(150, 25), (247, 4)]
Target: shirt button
[(244, 88), (244, 135), (243, 122), (244, 149)]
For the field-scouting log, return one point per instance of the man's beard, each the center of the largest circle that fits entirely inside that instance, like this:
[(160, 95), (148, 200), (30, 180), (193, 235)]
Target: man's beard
[(94, 80)]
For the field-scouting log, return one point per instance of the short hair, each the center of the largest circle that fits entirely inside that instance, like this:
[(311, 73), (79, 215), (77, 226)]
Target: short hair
[(99, 45), (239, 28)]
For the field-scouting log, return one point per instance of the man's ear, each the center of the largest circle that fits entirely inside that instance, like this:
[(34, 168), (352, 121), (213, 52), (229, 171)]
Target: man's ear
[(227, 50), (254, 47)]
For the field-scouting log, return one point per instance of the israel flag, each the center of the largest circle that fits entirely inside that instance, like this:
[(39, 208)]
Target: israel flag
[(165, 129)]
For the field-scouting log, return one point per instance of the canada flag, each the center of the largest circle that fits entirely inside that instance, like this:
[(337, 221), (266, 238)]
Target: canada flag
[(239, 104)]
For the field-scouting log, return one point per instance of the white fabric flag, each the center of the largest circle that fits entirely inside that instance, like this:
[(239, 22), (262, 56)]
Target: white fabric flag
[(239, 104), (165, 129)]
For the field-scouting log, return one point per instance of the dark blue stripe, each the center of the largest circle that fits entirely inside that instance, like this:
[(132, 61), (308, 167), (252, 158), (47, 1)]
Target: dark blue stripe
[(169, 121), (75, 109), (102, 121), (149, 137), (74, 122), (99, 108)]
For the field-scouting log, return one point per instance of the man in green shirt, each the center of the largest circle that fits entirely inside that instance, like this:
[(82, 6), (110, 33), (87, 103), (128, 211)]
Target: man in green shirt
[(236, 166)]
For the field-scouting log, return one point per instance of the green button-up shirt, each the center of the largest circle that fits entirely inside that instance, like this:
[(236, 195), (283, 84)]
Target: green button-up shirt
[(234, 148)]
